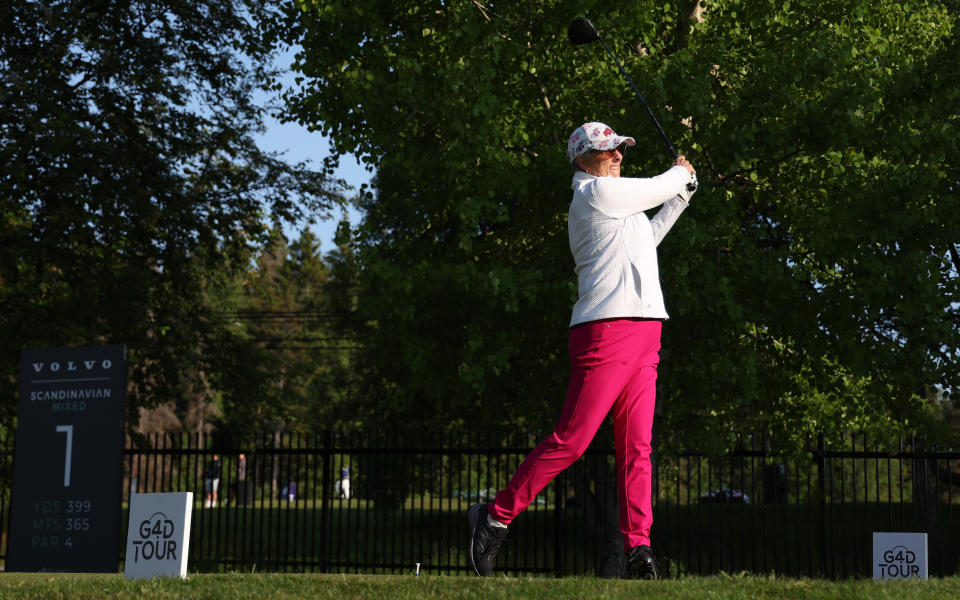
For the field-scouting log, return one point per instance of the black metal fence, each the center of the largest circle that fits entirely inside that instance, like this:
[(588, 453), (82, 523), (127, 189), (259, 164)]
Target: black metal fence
[(343, 503)]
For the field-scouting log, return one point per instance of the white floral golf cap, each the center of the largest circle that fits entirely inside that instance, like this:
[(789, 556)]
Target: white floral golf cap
[(594, 136)]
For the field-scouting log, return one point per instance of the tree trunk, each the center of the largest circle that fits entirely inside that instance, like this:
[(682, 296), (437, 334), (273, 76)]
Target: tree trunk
[(275, 468), (926, 502)]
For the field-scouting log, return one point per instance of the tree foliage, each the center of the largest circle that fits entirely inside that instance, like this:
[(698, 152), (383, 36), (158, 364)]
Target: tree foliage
[(812, 284), (284, 323), (132, 184)]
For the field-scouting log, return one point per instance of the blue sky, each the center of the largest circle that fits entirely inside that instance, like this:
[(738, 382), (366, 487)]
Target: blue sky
[(297, 144)]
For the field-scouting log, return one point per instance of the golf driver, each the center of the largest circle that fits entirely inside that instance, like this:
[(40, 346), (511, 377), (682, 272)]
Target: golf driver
[(582, 31)]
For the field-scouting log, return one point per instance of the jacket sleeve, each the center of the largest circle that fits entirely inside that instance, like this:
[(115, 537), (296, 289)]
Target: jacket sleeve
[(666, 217), (620, 197)]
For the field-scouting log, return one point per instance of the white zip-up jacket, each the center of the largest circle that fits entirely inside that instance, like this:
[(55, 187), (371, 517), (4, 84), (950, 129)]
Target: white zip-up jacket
[(614, 244)]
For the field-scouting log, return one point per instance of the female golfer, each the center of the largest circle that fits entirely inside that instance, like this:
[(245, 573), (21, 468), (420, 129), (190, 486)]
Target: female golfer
[(614, 341)]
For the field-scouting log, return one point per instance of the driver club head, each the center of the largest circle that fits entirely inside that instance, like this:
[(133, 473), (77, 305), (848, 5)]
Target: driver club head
[(582, 31)]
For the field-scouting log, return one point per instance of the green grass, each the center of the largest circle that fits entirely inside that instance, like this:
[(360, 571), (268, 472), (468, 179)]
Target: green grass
[(783, 539), (15, 586)]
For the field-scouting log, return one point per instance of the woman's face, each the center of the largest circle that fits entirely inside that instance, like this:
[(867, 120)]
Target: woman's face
[(602, 163)]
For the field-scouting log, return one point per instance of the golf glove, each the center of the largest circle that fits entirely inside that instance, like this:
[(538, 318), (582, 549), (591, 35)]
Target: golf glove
[(690, 188)]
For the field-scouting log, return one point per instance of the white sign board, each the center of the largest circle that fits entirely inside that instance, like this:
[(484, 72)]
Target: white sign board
[(899, 555), (158, 535)]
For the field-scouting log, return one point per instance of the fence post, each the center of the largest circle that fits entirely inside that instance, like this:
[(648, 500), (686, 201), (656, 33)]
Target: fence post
[(821, 459), (325, 499), (558, 524)]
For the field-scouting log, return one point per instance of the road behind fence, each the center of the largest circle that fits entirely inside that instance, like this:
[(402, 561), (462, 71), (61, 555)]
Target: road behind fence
[(344, 503)]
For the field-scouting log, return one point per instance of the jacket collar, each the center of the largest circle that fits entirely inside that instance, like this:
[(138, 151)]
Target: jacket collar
[(580, 178)]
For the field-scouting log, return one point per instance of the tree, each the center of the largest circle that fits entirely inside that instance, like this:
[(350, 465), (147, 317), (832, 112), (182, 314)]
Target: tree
[(132, 185), (831, 235), (810, 284), (285, 314)]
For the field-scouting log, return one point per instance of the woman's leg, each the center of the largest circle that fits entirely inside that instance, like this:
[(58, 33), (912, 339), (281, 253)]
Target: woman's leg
[(602, 356), (632, 430)]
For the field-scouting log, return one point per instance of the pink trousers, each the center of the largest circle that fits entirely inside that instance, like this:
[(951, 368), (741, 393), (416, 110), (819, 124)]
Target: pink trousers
[(613, 370)]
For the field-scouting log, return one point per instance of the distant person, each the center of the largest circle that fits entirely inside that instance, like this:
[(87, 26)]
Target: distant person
[(239, 491), (242, 467), (342, 486), (614, 341), (211, 481), (289, 491)]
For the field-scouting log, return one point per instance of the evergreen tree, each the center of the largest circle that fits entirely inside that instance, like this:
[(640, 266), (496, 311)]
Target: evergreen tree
[(286, 317)]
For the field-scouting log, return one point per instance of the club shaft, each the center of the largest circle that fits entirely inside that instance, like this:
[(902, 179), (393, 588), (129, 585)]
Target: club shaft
[(642, 101)]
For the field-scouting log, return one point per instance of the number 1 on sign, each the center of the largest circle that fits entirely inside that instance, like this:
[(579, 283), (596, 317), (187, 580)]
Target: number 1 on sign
[(68, 429)]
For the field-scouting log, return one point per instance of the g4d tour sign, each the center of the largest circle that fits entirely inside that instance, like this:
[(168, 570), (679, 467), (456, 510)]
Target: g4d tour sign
[(899, 555), (158, 535), (68, 470)]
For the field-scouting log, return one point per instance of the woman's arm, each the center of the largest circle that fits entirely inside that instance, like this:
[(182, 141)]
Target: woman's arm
[(666, 217), (621, 197)]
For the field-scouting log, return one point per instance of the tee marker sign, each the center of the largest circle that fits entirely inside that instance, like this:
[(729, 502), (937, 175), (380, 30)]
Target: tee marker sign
[(68, 462)]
